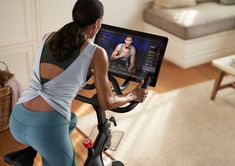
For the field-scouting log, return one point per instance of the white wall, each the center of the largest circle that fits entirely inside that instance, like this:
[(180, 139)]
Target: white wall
[(24, 22), (125, 13), (52, 14), (17, 37)]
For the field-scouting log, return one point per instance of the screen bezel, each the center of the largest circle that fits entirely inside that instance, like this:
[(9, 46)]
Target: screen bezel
[(153, 81)]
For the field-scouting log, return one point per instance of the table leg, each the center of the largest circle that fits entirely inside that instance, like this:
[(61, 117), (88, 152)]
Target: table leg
[(217, 84)]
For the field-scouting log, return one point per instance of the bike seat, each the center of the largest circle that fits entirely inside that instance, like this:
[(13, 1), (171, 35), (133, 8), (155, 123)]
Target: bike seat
[(24, 157)]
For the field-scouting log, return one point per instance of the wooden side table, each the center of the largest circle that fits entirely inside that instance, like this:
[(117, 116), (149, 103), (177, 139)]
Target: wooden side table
[(224, 66)]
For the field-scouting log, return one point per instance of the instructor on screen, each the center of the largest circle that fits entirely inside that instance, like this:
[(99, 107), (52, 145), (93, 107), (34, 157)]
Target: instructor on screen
[(126, 53)]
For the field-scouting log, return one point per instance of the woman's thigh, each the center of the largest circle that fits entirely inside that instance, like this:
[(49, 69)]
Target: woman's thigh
[(53, 143), (48, 133)]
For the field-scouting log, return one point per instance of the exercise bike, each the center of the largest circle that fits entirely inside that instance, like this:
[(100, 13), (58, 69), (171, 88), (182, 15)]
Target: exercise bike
[(102, 141)]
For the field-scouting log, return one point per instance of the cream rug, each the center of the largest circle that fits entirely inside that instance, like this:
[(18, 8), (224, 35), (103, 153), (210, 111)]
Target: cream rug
[(178, 128)]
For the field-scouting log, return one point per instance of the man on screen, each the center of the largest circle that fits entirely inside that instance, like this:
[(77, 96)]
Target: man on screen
[(126, 53)]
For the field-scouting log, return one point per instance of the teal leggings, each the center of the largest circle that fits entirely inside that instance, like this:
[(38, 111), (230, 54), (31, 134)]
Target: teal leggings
[(47, 132)]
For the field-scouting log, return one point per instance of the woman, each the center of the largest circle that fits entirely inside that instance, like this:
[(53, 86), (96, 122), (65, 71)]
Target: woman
[(42, 117)]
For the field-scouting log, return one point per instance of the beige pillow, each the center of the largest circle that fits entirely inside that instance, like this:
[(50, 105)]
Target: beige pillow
[(227, 2), (174, 3), (201, 1)]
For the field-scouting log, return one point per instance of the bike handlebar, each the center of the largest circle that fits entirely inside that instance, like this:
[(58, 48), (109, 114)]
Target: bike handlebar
[(118, 90), (132, 104)]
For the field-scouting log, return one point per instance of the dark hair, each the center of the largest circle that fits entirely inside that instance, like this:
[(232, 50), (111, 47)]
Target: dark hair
[(69, 37), (129, 36)]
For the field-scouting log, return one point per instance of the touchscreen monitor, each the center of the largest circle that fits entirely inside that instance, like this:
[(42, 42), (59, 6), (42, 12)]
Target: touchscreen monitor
[(132, 54)]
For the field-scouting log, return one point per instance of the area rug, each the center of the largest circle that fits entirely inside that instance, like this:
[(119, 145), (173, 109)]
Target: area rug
[(182, 127)]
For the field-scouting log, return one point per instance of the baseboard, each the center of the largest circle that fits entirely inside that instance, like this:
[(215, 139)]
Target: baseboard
[(193, 52)]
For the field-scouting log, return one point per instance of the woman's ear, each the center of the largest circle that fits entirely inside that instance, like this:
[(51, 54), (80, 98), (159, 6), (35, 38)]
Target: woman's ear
[(98, 23)]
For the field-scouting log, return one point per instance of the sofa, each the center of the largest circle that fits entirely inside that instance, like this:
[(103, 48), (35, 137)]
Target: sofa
[(198, 30)]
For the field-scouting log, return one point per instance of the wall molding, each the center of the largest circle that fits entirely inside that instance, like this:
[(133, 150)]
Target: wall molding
[(23, 31), (20, 62)]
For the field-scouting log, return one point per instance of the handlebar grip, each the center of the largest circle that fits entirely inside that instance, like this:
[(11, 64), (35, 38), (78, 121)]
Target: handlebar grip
[(133, 104), (128, 108), (93, 101), (147, 80), (89, 86)]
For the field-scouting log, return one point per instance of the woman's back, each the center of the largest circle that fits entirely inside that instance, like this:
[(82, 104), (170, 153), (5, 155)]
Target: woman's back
[(57, 85)]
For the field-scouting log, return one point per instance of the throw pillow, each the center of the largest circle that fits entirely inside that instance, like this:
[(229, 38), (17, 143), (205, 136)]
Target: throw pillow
[(174, 3), (227, 2)]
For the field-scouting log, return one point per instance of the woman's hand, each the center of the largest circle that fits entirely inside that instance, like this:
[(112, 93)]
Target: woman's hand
[(139, 94)]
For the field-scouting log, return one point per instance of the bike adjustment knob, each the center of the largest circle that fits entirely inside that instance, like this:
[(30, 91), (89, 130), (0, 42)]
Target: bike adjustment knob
[(112, 119), (88, 143)]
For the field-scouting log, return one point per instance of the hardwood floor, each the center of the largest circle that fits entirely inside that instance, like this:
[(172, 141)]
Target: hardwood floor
[(170, 77)]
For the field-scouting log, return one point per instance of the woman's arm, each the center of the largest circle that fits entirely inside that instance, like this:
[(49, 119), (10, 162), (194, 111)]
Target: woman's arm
[(106, 98)]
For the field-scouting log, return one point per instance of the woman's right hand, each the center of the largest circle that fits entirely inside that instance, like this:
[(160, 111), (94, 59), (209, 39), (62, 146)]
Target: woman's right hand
[(139, 94)]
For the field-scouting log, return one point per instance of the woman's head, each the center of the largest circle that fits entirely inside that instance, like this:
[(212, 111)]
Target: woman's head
[(87, 15), (86, 12)]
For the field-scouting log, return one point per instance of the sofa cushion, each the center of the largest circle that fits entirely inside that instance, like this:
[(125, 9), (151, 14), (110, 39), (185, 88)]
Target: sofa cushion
[(174, 3), (227, 2), (192, 22), (201, 1)]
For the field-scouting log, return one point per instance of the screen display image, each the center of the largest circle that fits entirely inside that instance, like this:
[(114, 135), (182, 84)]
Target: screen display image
[(132, 54)]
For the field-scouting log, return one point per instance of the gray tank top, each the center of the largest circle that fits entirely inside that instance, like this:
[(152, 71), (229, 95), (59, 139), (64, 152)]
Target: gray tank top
[(127, 57), (61, 90)]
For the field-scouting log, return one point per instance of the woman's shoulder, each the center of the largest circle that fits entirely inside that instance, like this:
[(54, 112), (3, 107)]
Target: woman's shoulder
[(100, 51), (100, 54)]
